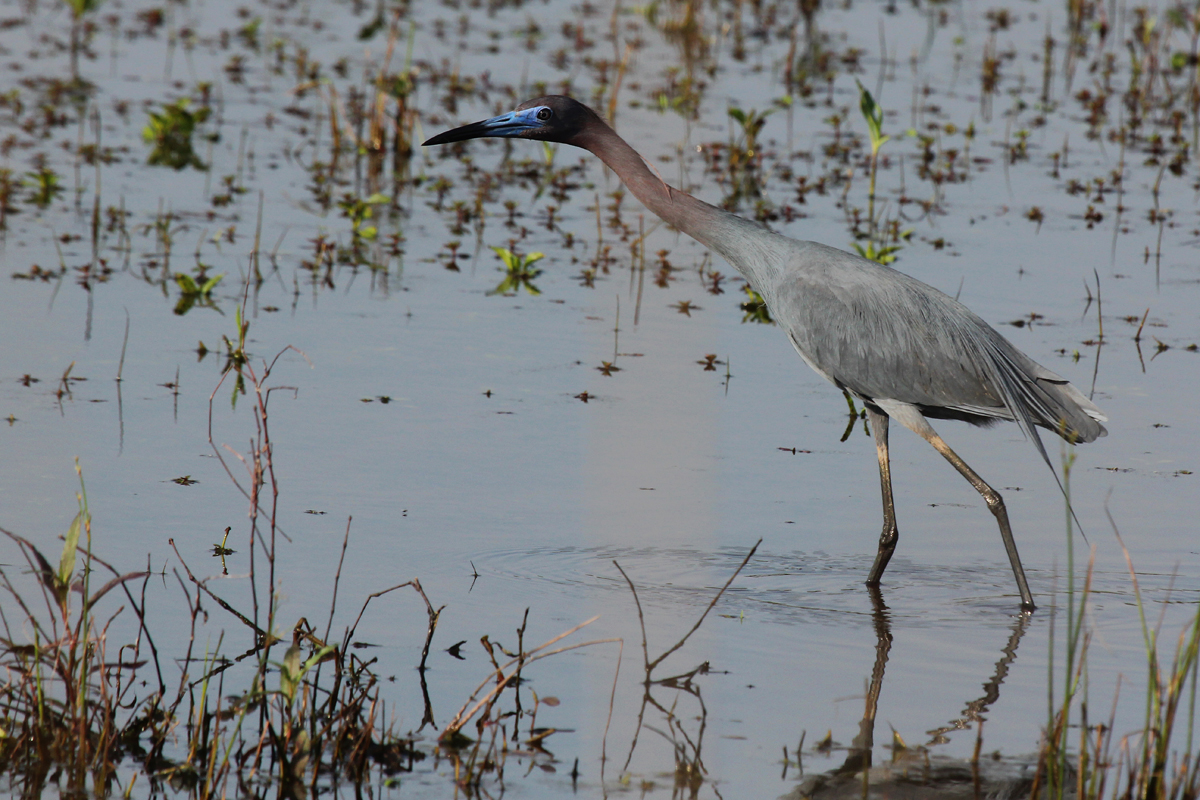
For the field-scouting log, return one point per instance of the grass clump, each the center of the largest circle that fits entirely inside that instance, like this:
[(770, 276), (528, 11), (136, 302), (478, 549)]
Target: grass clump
[(69, 709), (1152, 764), (294, 713)]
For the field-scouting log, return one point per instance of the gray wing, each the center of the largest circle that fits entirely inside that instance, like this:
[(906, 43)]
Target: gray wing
[(882, 334)]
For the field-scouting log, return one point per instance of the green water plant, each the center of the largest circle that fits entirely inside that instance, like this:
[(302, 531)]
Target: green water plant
[(882, 241), (62, 686), (745, 155), (751, 123), (236, 358), (518, 271), (883, 253), (80, 716), (873, 114), (754, 308), (44, 186), (169, 133), (1151, 764), (196, 290), (359, 210)]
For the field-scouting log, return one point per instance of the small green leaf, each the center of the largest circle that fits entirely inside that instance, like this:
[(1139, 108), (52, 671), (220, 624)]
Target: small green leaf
[(883, 255), (755, 308), (289, 673), (507, 285), (211, 284), (239, 387), (518, 271), (318, 657), (507, 256), (873, 114), (66, 564), (81, 7)]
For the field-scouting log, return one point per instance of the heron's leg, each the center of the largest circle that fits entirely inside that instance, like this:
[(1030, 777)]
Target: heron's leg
[(890, 535), (995, 504)]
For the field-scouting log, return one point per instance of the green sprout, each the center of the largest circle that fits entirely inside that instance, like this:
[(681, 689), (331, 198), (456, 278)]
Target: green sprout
[(45, 186), (236, 357), (170, 132), (873, 114), (755, 308), (358, 211), (518, 271), (744, 157), (875, 250), (884, 254), (221, 549), (195, 290), (751, 123)]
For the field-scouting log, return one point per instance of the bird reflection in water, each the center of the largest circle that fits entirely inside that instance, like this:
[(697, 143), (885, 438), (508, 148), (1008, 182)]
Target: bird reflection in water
[(858, 773)]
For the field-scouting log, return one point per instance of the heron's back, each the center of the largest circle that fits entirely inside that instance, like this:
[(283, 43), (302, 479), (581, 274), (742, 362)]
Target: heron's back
[(885, 335)]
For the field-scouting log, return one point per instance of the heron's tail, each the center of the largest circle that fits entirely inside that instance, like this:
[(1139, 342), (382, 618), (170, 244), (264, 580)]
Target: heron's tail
[(1076, 418), (1037, 396)]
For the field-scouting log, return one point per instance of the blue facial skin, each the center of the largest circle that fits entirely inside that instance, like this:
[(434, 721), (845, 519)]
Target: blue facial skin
[(524, 122), (513, 123)]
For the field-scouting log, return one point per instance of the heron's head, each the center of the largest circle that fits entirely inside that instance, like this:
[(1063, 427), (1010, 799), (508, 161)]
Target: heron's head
[(554, 118)]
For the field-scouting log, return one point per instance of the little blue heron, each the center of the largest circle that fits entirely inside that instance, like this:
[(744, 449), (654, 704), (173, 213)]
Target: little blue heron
[(906, 350)]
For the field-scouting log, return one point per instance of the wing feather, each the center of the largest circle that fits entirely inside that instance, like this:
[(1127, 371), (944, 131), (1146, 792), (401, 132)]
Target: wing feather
[(882, 334)]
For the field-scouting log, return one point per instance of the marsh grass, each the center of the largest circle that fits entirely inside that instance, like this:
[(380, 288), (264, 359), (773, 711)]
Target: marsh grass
[(1085, 759), (74, 715), (68, 706), (298, 712)]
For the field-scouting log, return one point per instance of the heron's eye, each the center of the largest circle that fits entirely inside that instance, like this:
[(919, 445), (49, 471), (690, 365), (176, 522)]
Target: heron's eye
[(544, 114)]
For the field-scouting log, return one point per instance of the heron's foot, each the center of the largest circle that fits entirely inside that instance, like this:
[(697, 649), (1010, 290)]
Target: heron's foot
[(887, 546)]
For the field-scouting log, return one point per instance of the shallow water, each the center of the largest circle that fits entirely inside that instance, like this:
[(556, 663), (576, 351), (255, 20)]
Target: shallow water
[(484, 460)]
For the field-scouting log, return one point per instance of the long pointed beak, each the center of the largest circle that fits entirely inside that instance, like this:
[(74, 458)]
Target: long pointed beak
[(514, 123)]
